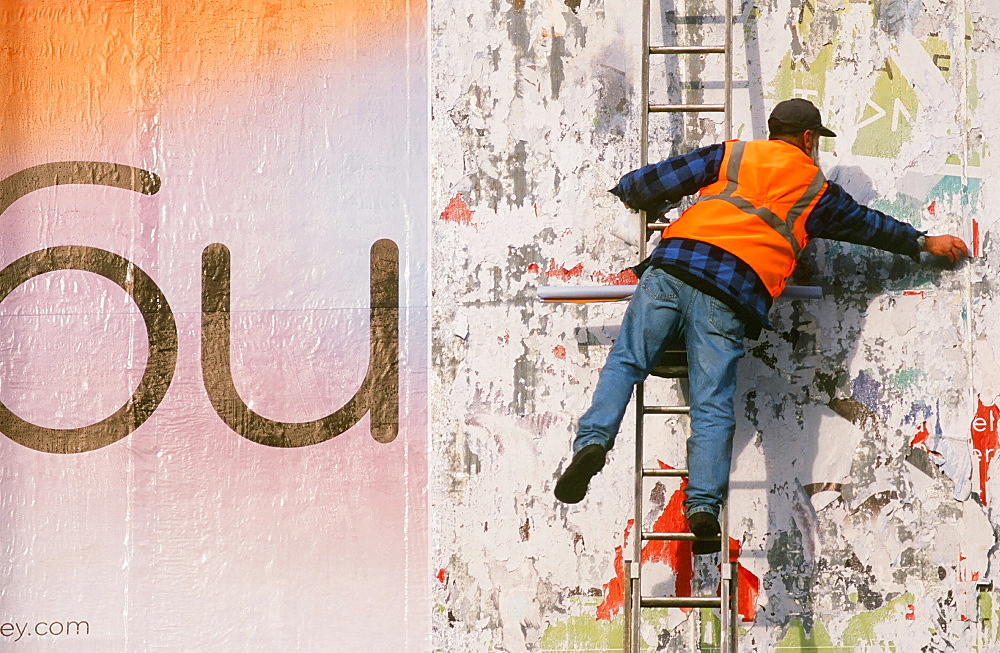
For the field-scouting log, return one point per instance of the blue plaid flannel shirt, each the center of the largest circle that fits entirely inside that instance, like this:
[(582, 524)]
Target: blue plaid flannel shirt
[(656, 188)]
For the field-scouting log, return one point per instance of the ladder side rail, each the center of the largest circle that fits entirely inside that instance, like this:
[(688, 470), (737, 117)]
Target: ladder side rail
[(729, 590), (635, 570), (734, 606), (644, 91), (728, 101), (633, 613), (725, 616), (627, 608)]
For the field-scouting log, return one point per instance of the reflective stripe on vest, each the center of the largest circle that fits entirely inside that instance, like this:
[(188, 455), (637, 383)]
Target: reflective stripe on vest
[(783, 227)]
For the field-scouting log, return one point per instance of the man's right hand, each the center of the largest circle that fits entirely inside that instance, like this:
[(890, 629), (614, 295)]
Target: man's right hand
[(952, 247)]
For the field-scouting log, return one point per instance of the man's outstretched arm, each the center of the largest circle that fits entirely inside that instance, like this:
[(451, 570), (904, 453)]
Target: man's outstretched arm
[(838, 216)]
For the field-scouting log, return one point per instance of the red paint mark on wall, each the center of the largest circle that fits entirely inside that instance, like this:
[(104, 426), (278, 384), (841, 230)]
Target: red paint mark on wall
[(910, 613), (748, 589), (985, 441), (678, 556), (932, 209), (919, 440), (441, 575), (975, 238), (963, 574), (915, 293), (559, 351), (624, 278), (614, 589), (562, 273), (748, 585), (457, 211), (533, 268)]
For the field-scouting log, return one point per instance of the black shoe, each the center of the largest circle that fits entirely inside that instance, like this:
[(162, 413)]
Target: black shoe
[(705, 526), (572, 484)]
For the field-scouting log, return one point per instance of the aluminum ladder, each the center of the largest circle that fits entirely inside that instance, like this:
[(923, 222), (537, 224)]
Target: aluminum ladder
[(674, 365)]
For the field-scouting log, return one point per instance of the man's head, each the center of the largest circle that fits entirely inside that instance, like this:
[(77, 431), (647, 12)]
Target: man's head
[(793, 117), (799, 122)]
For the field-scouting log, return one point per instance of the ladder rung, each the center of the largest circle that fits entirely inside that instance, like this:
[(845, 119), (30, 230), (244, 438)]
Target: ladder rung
[(686, 108), (666, 410), (687, 49), (655, 471), (675, 537), (680, 602), (656, 226)]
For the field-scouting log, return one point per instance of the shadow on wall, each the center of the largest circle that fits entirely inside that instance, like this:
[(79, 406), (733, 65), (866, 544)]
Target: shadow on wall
[(855, 181), (817, 428)]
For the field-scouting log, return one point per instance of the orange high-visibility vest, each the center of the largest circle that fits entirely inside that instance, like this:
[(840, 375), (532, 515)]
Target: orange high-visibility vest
[(757, 210)]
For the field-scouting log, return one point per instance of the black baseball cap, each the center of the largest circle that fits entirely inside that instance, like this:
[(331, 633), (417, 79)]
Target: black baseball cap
[(795, 116)]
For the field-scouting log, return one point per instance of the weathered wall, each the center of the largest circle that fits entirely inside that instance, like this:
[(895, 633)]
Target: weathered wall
[(862, 492), (293, 133)]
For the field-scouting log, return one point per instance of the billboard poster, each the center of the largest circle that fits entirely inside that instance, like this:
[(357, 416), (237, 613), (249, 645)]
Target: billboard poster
[(213, 326)]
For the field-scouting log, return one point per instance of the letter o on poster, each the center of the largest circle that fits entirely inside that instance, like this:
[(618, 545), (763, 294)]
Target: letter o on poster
[(161, 332)]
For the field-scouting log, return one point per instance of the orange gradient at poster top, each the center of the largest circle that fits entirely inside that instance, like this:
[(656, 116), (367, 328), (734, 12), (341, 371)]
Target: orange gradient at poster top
[(72, 70)]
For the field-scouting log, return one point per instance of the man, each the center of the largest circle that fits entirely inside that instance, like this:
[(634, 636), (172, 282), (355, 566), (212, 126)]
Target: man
[(711, 281)]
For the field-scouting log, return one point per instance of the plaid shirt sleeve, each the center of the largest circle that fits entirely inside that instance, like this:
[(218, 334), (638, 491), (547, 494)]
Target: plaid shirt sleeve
[(838, 216), (657, 187)]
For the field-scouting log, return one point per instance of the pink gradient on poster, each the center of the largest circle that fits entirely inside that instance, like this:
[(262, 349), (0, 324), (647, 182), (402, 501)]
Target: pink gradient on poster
[(185, 535)]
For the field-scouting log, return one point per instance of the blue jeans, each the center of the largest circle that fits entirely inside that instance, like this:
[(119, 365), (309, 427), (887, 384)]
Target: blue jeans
[(663, 310)]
